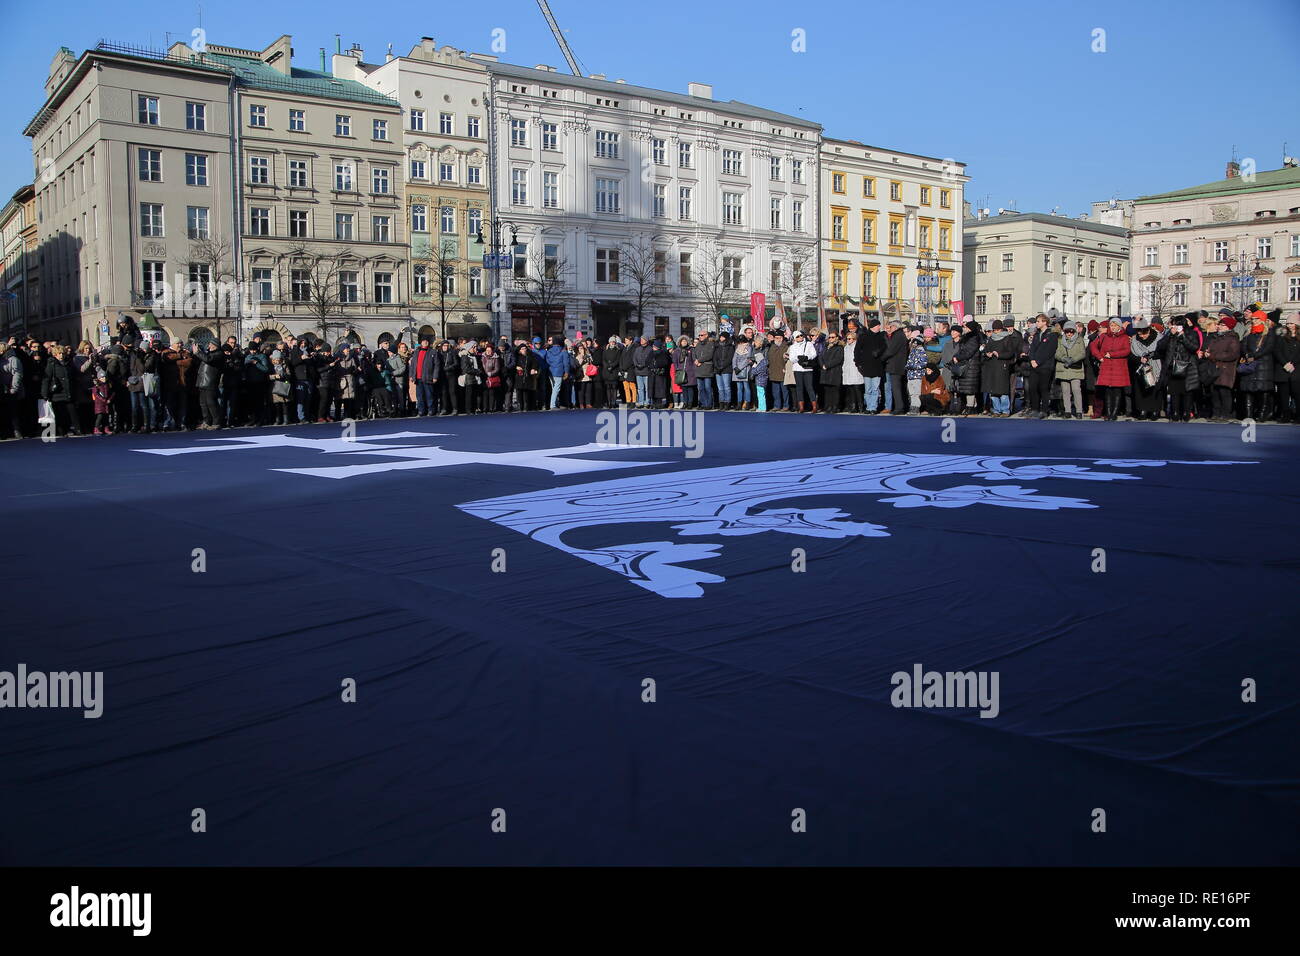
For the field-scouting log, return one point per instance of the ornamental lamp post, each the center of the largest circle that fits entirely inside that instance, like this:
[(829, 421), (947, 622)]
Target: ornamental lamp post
[(493, 258), (926, 281), (1242, 275)]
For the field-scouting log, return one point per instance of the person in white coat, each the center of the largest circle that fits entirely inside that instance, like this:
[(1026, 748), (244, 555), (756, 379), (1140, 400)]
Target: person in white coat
[(802, 359)]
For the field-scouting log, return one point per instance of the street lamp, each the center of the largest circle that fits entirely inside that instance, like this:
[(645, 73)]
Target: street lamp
[(494, 258), (1242, 275), (926, 281)]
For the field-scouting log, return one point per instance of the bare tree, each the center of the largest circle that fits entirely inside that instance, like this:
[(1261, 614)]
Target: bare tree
[(715, 280), (796, 283), (639, 269), (1158, 297), (545, 282), (214, 296), (325, 293), (447, 275)]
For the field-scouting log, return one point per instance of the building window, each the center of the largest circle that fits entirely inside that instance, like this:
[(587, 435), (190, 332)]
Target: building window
[(894, 284), (945, 239), (520, 256), (446, 123), (1110, 268), (1180, 293), (196, 222), (981, 264), (448, 280), (297, 174), (868, 231), (775, 171), (342, 124), (383, 287), (660, 201), (446, 172), (472, 127), (416, 118), (550, 137), (657, 152), (1180, 256), (606, 145), (299, 285), (475, 222), (519, 187), (981, 304), (447, 219), (731, 209), (776, 212), (518, 132), (733, 269), (868, 188), (262, 283), (684, 159), (381, 228), (1295, 245), (349, 290), (607, 265), (925, 195), (731, 164), (945, 198), (837, 227), (684, 194), (343, 226), (551, 190), (256, 115), (196, 116), (259, 221), (476, 281), (151, 165), (298, 121), (259, 170), (196, 169), (343, 177), (796, 215), (417, 169), (1092, 268), (896, 191), (684, 270), (796, 171), (1264, 247), (379, 183), (837, 281), (868, 283), (420, 280), (1220, 252), (925, 237), (298, 224), (147, 110), (419, 218), (1218, 293), (474, 175), (151, 219), (607, 195), (1006, 303), (1152, 256), (379, 129), (1008, 261), (1065, 264), (1262, 291), (1293, 289), (551, 261), (895, 232), (837, 183)]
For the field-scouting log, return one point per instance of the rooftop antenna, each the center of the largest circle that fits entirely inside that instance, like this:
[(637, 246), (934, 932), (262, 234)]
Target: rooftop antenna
[(1055, 210)]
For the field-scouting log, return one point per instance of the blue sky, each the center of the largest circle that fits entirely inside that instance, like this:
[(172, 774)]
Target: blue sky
[(1017, 93)]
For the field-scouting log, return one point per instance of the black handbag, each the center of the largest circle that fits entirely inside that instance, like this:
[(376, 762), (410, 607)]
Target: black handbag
[(1248, 368)]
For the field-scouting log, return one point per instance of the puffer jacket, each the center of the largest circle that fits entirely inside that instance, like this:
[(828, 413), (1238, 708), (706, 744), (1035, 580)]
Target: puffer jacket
[(995, 369), (1114, 370), (966, 363), (1259, 347), (742, 364), (1071, 354), (1181, 354)]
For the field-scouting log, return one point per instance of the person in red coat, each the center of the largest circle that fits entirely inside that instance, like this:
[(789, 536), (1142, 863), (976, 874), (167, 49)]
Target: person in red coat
[(1111, 349)]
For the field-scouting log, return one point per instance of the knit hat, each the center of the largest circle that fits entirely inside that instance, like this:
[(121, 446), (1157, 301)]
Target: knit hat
[(1229, 321), (1093, 325), (971, 326), (1158, 326), (997, 325), (537, 340), (1141, 324)]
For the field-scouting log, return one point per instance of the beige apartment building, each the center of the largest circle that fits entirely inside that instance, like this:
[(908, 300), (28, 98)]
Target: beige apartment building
[(132, 157), (19, 247), (889, 223), (1020, 264), (1189, 245), (443, 96)]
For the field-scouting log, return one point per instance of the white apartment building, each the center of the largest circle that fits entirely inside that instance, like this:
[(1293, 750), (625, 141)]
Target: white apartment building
[(600, 178), (885, 214), (1190, 244), (1020, 264)]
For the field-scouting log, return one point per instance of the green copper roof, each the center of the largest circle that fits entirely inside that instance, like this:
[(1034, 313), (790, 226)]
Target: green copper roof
[(258, 75), (1264, 182)]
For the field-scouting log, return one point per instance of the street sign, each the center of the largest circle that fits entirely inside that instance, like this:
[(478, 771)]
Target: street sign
[(504, 260), (927, 282), (1243, 282)]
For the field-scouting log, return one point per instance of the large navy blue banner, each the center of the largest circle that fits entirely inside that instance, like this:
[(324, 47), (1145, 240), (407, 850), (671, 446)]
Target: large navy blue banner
[(532, 639)]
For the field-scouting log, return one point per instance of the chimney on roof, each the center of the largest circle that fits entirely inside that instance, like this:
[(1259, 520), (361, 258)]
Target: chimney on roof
[(1234, 170), (426, 44), (702, 90), (596, 76)]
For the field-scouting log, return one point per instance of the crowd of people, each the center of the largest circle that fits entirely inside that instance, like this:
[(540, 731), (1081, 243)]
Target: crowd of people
[(1221, 367)]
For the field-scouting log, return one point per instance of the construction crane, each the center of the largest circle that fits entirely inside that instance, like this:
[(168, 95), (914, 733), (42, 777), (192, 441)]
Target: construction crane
[(559, 37)]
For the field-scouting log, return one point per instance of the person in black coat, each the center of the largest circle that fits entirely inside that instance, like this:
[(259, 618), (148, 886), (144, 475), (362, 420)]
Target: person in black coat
[(1182, 376), (660, 361), (1041, 355), (211, 360), (1286, 371), (56, 388), (868, 356), (965, 366), (832, 373), (895, 361), (1256, 386), (611, 372)]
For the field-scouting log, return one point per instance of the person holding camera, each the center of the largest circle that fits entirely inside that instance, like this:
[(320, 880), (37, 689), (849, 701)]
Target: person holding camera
[(802, 358)]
